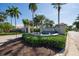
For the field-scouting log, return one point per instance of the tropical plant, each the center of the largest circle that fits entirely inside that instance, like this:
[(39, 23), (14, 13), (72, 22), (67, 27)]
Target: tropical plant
[(69, 28), (9, 11), (15, 13), (33, 8), (48, 23), (38, 20), (58, 7), (3, 16), (6, 27), (76, 23), (26, 23)]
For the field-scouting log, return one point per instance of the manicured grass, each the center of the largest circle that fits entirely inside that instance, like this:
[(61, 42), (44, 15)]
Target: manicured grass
[(57, 41), (9, 33)]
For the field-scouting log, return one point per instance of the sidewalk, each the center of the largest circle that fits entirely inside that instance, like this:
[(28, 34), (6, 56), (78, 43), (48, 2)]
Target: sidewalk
[(72, 45)]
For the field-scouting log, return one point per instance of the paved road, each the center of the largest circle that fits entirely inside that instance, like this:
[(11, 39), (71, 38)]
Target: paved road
[(7, 38)]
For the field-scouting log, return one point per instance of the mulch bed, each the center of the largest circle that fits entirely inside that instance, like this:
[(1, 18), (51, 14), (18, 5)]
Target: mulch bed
[(18, 47)]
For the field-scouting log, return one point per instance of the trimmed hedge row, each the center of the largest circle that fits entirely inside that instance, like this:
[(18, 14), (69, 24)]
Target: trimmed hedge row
[(57, 41)]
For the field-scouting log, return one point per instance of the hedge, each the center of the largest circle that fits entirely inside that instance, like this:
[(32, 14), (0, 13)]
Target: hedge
[(57, 41)]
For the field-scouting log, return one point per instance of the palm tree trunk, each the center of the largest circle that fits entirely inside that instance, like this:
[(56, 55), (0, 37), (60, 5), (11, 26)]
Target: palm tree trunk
[(28, 29), (15, 26), (25, 29), (11, 21), (41, 27), (15, 22), (58, 15), (59, 18), (32, 15), (33, 18)]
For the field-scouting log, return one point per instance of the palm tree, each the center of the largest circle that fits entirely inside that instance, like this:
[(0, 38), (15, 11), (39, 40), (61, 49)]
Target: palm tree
[(3, 16), (51, 22), (58, 7), (38, 20), (48, 23), (15, 13), (9, 12), (26, 24), (76, 23), (33, 8)]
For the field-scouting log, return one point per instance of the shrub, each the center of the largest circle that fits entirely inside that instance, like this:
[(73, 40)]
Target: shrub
[(36, 30), (6, 27), (49, 41)]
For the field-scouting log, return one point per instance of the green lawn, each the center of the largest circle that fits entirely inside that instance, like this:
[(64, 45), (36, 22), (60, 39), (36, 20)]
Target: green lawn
[(8, 33), (57, 41)]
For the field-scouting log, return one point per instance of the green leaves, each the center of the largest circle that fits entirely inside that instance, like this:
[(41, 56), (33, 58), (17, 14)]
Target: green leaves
[(6, 27), (13, 11), (26, 22), (76, 23), (33, 7), (38, 19), (51, 41)]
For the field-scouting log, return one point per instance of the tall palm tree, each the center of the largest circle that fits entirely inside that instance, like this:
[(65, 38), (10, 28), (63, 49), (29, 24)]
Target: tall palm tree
[(26, 23), (58, 7), (9, 12), (33, 8), (15, 13)]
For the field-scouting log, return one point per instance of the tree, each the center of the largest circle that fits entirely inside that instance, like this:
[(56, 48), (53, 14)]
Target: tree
[(38, 20), (76, 23), (9, 11), (3, 16), (6, 27), (69, 28), (15, 13), (26, 23), (33, 8), (48, 23), (58, 7)]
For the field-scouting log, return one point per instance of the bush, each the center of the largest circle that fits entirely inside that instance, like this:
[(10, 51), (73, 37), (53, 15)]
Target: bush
[(36, 30), (6, 27), (49, 41)]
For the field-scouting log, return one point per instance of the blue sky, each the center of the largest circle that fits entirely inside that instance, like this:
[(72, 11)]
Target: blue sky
[(69, 12)]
